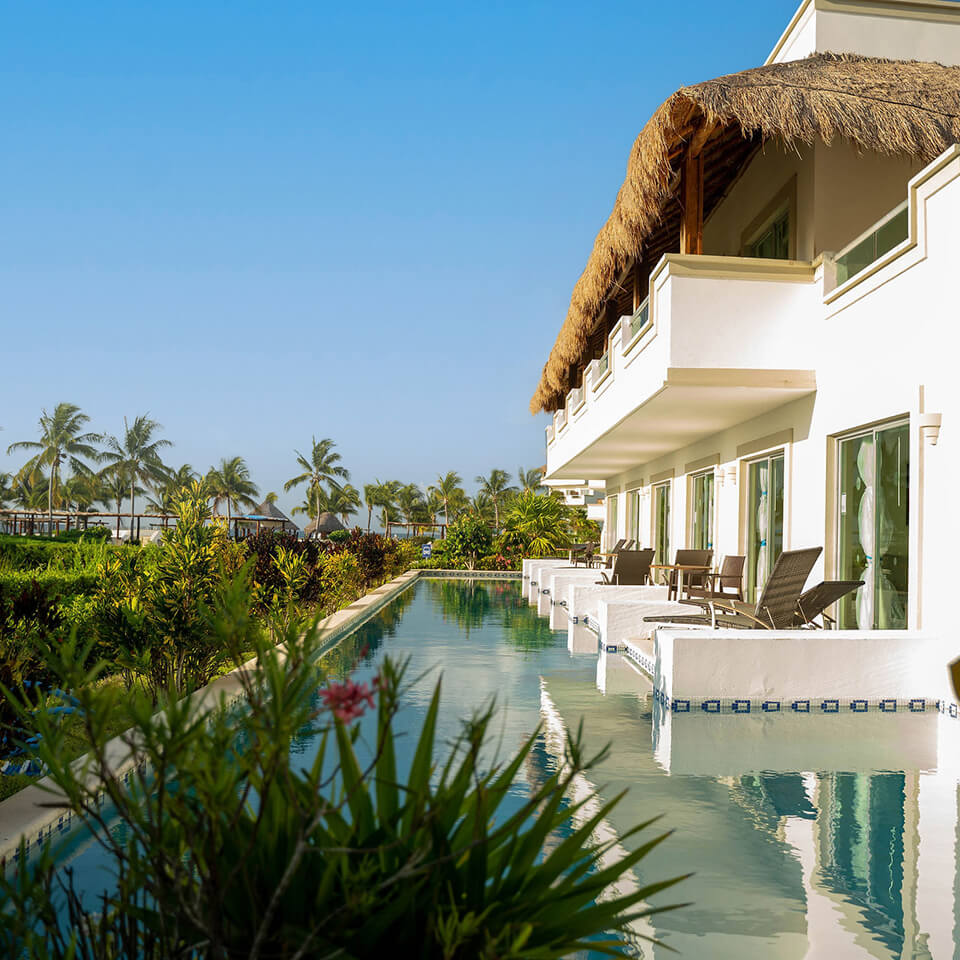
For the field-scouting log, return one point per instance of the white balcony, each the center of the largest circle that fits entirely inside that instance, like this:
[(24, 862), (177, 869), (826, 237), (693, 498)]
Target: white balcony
[(721, 340)]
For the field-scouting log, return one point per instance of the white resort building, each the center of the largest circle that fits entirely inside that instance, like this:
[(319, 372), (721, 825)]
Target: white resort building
[(762, 351)]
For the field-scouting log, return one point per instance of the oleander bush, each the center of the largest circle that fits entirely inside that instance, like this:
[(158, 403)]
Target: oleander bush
[(227, 846)]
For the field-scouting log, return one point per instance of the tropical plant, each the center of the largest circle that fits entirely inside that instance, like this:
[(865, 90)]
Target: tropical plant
[(468, 538), (322, 467), (536, 525), (530, 479), (222, 852), (384, 496), (496, 488), (230, 483), (6, 489), (342, 502), (411, 503), (271, 497), (448, 491), (137, 456), (63, 441)]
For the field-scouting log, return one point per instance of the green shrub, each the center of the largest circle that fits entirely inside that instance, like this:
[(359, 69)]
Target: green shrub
[(224, 852), (338, 536), (89, 534), (468, 539)]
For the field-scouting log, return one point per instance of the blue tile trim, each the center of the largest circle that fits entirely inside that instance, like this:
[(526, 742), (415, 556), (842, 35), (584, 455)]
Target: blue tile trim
[(771, 706)]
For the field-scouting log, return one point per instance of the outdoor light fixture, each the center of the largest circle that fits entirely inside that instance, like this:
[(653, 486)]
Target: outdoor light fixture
[(728, 474), (929, 424)]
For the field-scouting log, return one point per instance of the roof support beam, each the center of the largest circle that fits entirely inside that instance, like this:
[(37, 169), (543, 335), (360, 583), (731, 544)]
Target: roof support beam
[(691, 194)]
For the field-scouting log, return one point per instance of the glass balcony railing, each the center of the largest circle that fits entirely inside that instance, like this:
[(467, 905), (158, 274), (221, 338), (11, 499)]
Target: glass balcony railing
[(575, 398), (603, 365), (870, 247), (640, 319)]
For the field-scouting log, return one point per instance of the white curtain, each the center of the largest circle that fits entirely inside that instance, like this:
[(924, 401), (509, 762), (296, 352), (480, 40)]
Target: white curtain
[(763, 473), (867, 468)]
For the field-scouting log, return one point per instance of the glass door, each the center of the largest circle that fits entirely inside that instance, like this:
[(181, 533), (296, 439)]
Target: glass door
[(612, 523), (764, 520), (633, 520), (873, 526), (661, 523), (701, 512)]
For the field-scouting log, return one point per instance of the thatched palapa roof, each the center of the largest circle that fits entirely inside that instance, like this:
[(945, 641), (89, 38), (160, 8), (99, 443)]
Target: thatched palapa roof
[(887, 106), (324, 524)]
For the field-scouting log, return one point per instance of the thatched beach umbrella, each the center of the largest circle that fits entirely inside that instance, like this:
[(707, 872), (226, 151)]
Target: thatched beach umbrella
[(323, 526), (893, 107)]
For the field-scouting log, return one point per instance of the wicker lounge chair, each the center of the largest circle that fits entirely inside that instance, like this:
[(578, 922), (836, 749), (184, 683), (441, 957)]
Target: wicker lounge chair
[(814, 602), (631, 568), (726, 584), (620, 545), (775, 610), (585, 556)]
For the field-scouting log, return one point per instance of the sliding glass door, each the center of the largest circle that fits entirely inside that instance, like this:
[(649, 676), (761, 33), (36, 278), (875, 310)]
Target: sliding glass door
[(873, 526), (611, 530), (701, 511), (661, 523), (764, 520)]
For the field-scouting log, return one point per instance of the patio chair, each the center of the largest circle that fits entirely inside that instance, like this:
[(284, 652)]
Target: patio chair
[(692, 579), (814, 602), (585, 556), (620, 545), (726, 584), (775, 610), (631, 568)]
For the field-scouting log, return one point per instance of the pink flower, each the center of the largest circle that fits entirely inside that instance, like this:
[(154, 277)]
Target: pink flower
[(348, 701)]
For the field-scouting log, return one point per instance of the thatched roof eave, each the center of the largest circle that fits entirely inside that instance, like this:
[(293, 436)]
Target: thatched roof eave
[(885, 106)]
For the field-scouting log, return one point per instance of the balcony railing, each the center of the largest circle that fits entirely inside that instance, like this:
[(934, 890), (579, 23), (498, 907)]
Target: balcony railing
[(869, 247), (603, 365), (640, 320), (575, 399)]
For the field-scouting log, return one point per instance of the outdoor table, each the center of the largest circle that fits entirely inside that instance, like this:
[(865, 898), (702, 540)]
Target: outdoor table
[(680, 568)]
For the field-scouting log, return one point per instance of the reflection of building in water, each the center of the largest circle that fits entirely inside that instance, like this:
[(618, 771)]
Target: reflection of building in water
[(858, 860)]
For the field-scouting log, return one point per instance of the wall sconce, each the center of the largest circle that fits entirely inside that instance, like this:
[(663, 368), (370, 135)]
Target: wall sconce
[(728, 474), (929, 424)]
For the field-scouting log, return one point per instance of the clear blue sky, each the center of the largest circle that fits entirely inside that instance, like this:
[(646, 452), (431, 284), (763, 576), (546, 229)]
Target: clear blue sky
[(262, 221)]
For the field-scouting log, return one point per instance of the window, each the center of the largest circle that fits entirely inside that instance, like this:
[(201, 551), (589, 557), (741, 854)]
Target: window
[(764, 520), (701, 511), (611, 531), (873, 526), (633, 516), (661, 523), (774, 242)]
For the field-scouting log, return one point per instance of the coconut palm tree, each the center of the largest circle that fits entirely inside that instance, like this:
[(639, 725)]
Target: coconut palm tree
[(496, 488), (322, 467), (6, 489), (447, 491), (137, 454), (342, 502), (62, 441), (230, 483), (170, 490), (530, 479), (382, 495), (411, 502), (271, 497)]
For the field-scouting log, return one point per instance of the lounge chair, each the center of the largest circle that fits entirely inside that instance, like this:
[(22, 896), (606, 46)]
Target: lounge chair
[(814, 602), (574, 550), (727, 584), (631, 568), (620, 545), (692, 579), (775, 610)]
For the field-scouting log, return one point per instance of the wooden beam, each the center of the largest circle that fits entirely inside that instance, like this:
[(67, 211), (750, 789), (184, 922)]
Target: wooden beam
[(691, 199)]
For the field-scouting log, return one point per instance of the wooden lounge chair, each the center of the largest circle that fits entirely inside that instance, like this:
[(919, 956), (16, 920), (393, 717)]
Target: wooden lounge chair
[(813, 603), (631, 568), (775, 610), (725, 584), (694, 579)]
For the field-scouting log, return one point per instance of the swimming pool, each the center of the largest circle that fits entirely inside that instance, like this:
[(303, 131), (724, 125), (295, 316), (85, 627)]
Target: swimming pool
[(817, 836)]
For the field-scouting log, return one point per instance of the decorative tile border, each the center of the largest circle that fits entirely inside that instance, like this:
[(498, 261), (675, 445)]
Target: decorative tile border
[(809, 705), (472, 574)]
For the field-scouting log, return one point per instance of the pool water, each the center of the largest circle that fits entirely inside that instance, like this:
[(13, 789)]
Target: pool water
[(808, 836)]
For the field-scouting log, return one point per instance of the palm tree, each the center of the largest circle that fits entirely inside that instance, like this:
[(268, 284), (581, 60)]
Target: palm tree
[(230, 483), (271, 498), (137, 455), (173, 485), (62, 440), (410, 501), (447, 490), (322, 467), (530, 479), (344, 502), (383, 495), (6, 488), (496, 488)]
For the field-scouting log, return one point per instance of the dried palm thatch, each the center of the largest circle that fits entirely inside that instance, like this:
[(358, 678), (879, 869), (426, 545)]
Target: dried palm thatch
[(887, 106)]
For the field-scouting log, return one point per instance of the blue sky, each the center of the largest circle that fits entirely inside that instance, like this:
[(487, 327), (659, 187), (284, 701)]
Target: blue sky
[(261, 222)]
